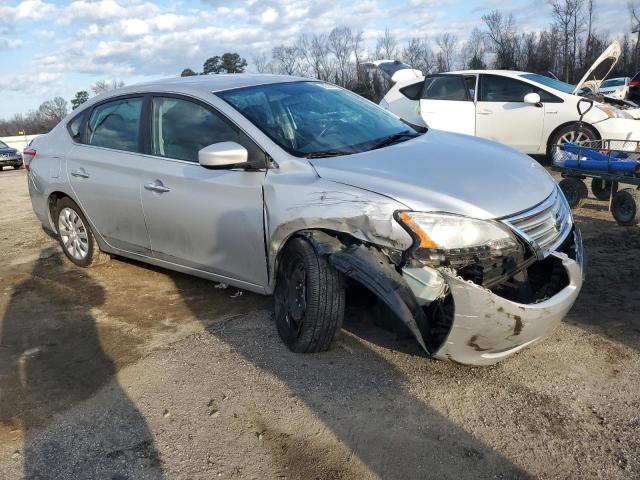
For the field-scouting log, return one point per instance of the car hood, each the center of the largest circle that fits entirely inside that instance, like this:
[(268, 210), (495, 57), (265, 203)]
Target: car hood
[(8, 150), (446, 172), (600, 68)]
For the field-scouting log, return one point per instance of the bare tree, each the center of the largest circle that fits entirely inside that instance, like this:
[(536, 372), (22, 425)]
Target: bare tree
[(315, 52), (447, 43), (502, 38), (565, 14), (106, 86), (474, 50), (260, 61), (387, 45), (288, 59), (418, 54), (52, 111), (634, 11), (340, 44)]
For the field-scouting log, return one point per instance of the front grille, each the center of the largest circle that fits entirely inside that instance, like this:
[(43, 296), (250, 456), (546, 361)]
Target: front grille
[(545, 226)]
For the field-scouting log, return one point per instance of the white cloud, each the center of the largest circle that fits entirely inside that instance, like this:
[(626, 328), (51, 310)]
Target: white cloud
[(26, 10), (32, 84), (10, 43), (105, 11), (270, 15)]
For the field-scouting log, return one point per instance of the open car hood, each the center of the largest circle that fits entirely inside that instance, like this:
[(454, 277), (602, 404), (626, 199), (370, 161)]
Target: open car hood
[(394, 70), (600, 69)]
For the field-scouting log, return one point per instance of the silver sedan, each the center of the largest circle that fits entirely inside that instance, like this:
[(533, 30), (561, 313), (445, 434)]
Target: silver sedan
[(298, 188)]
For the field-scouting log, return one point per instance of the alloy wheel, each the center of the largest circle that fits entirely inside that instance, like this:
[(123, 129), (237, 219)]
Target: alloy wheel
[(73, 233)]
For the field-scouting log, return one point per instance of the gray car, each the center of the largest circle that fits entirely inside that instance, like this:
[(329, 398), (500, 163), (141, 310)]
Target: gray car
[(298, 188)]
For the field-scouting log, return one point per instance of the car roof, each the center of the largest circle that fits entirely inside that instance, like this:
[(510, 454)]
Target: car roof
[(506, 73), (200, 84)]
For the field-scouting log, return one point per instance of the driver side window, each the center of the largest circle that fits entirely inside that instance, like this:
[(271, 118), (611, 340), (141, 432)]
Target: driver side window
[(181, 128), (494, 88)]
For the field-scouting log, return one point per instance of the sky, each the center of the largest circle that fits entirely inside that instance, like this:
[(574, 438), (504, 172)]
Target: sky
[(54, 48)]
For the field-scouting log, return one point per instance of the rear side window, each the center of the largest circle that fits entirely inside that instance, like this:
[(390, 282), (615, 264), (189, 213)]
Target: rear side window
[(180, 128), (413, 91), (75, 128), (445, 87), (116, 125)]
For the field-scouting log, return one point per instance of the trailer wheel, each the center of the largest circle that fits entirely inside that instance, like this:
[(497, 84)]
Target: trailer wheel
[(601, 188), (625, 207), (574, 190)]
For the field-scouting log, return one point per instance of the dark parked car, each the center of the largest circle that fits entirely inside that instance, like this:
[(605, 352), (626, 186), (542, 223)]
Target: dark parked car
[(9, 156)]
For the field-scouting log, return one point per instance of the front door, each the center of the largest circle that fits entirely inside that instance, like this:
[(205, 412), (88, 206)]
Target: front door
[(503, 116), (210, 220), (105, 171), (447, 104)]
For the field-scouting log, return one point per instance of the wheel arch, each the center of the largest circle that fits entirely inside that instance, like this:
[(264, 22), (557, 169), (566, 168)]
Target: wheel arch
[(567, 124)]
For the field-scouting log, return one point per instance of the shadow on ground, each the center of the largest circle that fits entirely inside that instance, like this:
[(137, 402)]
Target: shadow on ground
[(51, 360), (360, 397), (608, 302)]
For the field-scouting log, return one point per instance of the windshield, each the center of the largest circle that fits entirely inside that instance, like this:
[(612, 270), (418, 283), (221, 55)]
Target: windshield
[(549, 82), (614, 82), (3, 145), (315, 118)]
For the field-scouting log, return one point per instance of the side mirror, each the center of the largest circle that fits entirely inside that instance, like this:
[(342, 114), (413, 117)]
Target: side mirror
[(223, 155), (533, 98)]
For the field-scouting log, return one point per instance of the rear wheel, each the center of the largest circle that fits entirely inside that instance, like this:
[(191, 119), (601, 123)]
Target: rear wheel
[(75, 235), (625, 206), (574, 190), (601, 188), (309, 299)]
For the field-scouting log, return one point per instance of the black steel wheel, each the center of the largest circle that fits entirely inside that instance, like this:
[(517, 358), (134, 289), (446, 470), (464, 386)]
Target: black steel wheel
[(601, 188), (309, 299), (625, 205), (574, 190)]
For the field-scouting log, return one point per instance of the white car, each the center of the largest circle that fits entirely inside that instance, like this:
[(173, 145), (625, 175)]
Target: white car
[(615, 87), (526, 111)]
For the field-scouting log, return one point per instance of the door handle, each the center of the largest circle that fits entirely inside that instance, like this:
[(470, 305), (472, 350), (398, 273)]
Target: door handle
[(156, 187), (485, 112), (80, 173)]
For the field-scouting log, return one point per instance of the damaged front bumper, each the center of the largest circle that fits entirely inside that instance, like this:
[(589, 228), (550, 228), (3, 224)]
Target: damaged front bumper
[(487, 328)]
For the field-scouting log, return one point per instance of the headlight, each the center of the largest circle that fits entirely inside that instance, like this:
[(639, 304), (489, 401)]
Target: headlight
[(444, 239), (614, 112)]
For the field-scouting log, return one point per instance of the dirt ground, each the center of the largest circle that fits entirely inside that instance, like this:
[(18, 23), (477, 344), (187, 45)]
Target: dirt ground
[(127, 371)]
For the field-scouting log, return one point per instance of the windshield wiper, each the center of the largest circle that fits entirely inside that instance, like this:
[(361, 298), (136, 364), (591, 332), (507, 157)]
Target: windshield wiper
[(395, 138), (327, 153)]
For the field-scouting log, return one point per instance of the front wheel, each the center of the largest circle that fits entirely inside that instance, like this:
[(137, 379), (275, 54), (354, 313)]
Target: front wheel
[(17, 167), (309, 299)]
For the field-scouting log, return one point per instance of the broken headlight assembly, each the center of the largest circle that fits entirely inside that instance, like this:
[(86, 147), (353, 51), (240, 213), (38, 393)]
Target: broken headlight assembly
[(453, 240)]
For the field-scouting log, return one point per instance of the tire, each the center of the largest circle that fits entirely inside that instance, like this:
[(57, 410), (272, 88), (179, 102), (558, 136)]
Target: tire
[(309, 299), (625, 207), (18, 166), (600, 188), (574, 190), (79, 245), (564, 134)]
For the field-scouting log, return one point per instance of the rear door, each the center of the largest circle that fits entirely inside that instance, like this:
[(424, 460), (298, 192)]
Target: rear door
[(210, 220), (105, 169), (503, 116), (447, 103)]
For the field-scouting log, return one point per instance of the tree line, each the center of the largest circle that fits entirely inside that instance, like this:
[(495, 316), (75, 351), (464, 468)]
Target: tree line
[(566, 48), (50, 112)]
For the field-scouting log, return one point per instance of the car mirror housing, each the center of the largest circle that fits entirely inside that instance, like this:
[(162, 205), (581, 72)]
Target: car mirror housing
[(532, 98), (223, 155)]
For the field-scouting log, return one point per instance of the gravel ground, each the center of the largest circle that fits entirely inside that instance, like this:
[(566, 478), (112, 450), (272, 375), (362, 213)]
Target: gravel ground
[(127, 371)]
